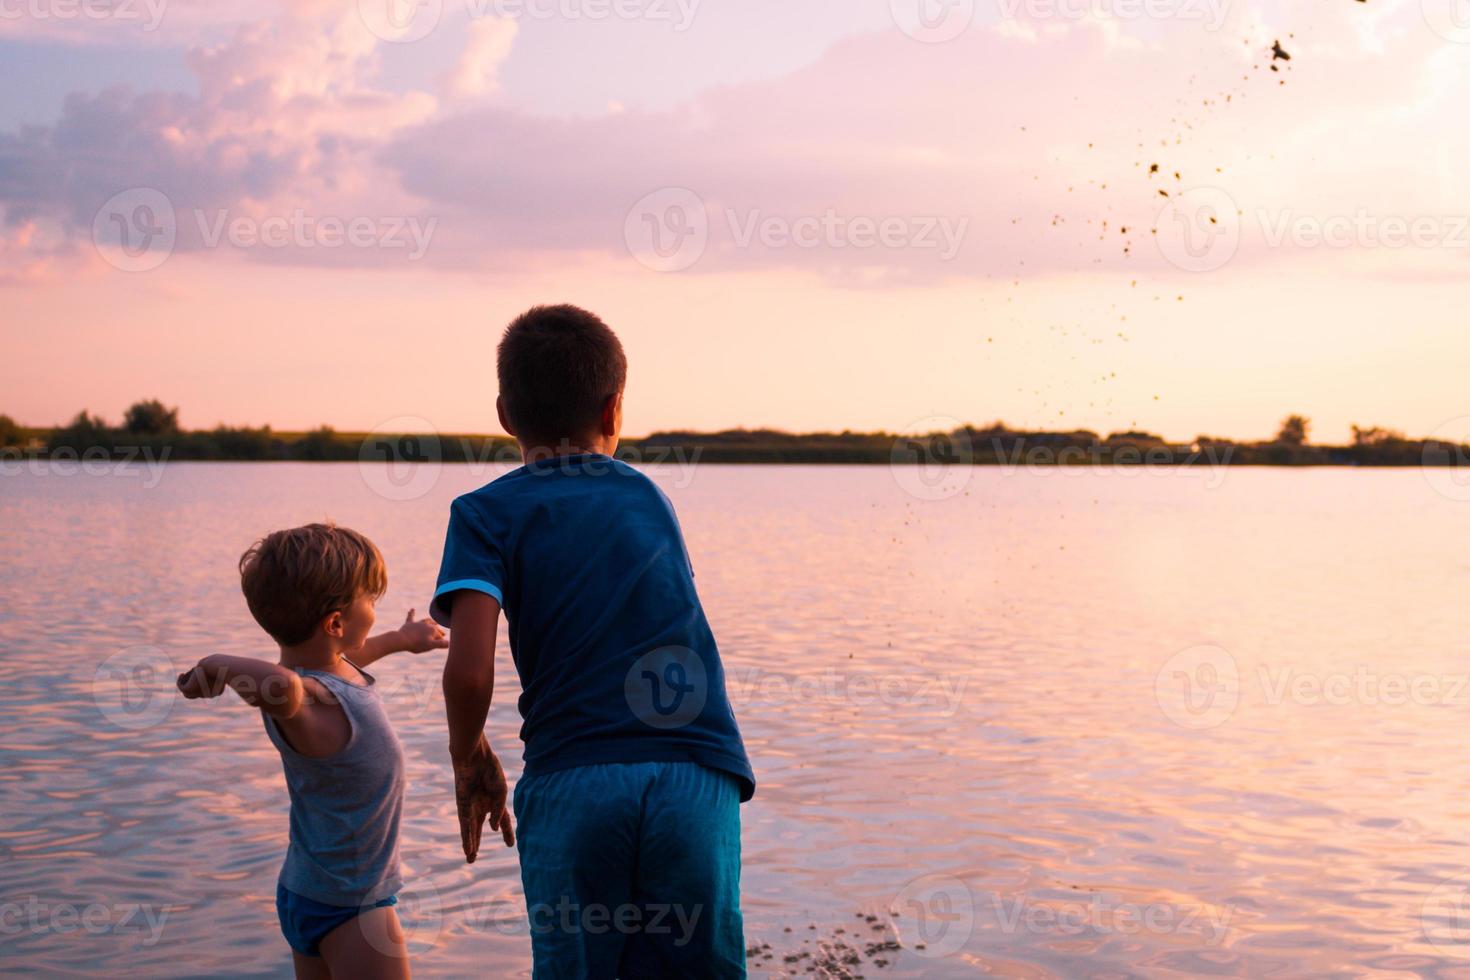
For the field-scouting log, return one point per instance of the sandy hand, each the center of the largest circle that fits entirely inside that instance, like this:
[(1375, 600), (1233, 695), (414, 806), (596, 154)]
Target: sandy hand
[(481, 792)]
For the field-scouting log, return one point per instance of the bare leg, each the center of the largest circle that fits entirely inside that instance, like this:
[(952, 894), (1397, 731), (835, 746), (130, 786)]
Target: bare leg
[(370, 947), (310, 967)]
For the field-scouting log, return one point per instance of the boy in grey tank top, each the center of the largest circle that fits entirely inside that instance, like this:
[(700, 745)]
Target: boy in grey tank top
[(313, 589)]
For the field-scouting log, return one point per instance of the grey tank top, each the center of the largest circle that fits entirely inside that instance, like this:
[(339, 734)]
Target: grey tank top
[(345, 808)]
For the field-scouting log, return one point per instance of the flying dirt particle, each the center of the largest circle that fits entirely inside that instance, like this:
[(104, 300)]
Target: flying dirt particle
[(1278, 53), (1153, 168)]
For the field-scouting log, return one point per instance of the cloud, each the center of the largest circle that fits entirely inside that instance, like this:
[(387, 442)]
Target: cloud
[(488, 43), (1010, 151), (286, 117)]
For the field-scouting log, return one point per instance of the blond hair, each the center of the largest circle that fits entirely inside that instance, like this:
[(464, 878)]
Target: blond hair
[(294, 579)]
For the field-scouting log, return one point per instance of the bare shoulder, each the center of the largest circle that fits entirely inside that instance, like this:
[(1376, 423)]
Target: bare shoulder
[(321, 728)]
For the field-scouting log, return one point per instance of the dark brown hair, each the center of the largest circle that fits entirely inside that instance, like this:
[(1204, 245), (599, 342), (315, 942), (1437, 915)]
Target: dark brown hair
[(557, 366), (294, 579)]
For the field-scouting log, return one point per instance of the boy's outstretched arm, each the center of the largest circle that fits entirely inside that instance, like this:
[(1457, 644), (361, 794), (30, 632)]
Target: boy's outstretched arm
[(414, 636), (469, 683), (271, 688)]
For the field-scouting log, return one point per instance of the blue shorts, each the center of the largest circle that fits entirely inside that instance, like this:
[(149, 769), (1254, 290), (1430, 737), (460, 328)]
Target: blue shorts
[(632, 870), (305, 922)]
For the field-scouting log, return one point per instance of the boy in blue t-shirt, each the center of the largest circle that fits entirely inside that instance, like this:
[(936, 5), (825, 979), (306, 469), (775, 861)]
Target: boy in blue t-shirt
[(628, 807)]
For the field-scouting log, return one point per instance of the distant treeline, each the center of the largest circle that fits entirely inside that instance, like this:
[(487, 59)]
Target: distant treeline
[(151, 429)]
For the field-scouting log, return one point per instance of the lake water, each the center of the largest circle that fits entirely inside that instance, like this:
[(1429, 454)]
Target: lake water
[(1054, 724)]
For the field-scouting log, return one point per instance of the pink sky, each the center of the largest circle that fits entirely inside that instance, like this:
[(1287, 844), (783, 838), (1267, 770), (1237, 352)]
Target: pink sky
[(860, 228)]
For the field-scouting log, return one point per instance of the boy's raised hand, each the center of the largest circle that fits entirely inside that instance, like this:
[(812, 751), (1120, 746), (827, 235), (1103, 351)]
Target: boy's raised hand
[(421, 635), (480, 792)]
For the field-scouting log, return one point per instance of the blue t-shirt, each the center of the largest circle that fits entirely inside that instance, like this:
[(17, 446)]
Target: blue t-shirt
[(616, 660)]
